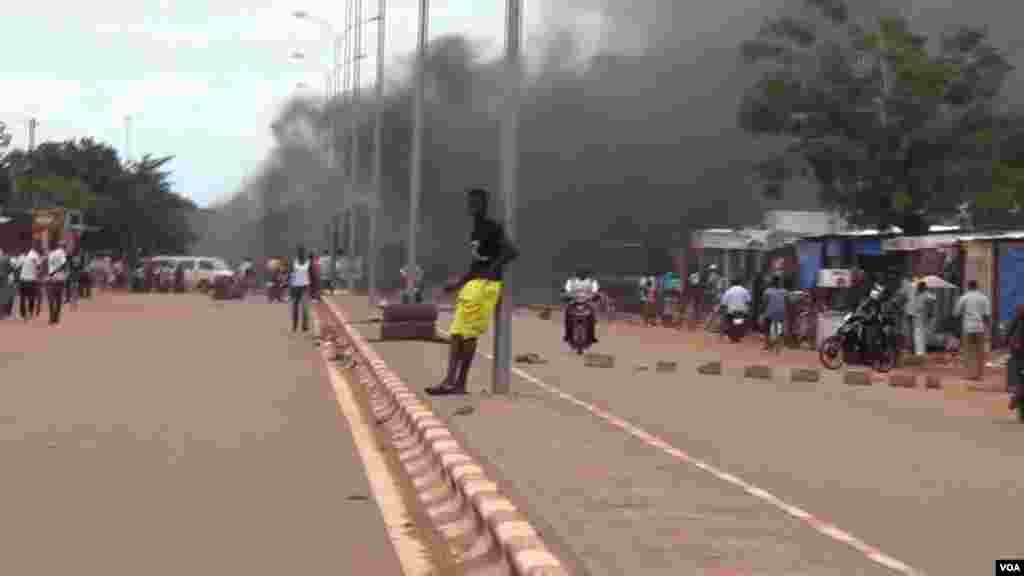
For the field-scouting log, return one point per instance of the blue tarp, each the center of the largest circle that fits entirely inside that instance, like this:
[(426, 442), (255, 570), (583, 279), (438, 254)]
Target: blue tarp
[(868, 247), (1011, 273), (809, 254)]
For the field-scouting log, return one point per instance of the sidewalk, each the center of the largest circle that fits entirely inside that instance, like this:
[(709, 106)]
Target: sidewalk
[(169, 434)]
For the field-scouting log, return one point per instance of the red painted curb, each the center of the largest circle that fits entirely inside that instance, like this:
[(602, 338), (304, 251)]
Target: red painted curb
[(464, 505)]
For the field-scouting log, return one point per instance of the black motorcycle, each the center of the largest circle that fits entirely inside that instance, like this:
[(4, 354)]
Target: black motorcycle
[(581, 315), (736, 325), (868, 337)]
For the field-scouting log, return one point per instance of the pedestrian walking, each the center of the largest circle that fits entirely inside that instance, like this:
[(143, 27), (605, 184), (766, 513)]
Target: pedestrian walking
[(648, 292), (28, 288), (1015, 339), (694, 298), (917, 307), (774, 314), (975, 311), (298, 288), (56, 279), (6, 285)]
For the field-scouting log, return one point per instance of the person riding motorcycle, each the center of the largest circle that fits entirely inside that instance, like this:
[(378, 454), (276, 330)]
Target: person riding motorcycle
[(871, 314), (735, 300), (581, 286)]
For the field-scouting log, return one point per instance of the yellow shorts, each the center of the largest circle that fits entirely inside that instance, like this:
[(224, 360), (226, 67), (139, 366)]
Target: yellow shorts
[(474, 308)]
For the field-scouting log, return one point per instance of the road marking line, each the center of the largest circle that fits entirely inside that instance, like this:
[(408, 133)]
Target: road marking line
[(824, 528), (412, 554)]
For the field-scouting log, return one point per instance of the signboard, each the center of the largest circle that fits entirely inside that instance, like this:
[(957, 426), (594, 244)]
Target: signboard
[(721, 240), (912, 243), (835, 278)]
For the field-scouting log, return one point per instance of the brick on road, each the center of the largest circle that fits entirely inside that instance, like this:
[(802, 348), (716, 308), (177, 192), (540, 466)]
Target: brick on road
[(889, 465), (168, 434)]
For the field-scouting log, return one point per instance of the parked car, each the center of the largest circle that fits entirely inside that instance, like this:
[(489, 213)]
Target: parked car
[(200, 271)]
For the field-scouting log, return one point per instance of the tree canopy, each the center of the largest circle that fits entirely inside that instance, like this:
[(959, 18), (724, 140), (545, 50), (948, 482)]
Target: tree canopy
[(895, 127), (132, 203)]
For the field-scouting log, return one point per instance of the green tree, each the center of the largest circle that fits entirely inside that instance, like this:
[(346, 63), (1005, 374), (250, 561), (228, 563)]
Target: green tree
[(133, 204), (52, 190), (892, 131)]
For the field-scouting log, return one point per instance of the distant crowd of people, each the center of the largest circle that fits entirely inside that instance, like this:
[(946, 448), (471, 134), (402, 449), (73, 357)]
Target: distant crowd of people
[(60, 278)]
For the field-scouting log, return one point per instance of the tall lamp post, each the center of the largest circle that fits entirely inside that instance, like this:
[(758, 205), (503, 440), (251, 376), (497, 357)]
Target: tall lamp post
[(501, 378), (378, 153), (416, 152)]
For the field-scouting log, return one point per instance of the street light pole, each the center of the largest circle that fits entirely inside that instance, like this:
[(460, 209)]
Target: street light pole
[(378, 153), (416, 153), (501, 378), (357, 46)]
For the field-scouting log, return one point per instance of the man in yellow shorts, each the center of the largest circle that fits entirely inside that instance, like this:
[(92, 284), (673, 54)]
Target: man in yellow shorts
[(479, 292)]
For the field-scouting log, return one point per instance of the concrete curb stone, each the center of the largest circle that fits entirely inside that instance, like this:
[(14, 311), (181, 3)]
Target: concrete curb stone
[(463, 503)]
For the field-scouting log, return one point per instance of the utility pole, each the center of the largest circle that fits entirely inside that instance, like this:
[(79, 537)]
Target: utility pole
[(356, 197), (416, 153), (32, 124), (501, 378), (378, 153)]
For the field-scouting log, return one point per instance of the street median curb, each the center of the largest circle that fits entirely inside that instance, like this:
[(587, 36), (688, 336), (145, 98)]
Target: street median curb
[(483, 528)]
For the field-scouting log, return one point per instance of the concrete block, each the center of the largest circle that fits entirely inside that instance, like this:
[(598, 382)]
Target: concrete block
[(913, 360), (804, 375), (902, 381), (710, 369), (599, 360), (758, 372), (663, 367), (856, 378)]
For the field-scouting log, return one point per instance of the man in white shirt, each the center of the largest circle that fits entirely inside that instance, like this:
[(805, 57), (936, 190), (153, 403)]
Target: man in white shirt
[(56, 278), (736, 299), (975, 310), (28, 289)]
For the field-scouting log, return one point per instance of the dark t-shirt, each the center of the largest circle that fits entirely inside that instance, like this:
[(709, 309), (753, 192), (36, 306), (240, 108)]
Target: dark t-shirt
[(486, 245)]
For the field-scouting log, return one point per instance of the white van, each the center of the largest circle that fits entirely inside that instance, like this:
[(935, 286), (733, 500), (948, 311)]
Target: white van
[(199, 270)]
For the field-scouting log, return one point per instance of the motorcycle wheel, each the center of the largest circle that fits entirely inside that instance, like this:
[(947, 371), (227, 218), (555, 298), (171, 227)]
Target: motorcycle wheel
[(831, 353), (579, 337), (885, 360)]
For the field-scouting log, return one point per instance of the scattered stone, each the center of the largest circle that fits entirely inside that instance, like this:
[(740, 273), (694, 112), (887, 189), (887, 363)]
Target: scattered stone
[(545, 314), (531, 358), (357, 498), (710, 369), (902, 381), (933, 382), (463, 411), (666, 367), (805, 375), (856, 378), (599, 360), (913, 360), (758, 372), (51, 444), (641, 368)]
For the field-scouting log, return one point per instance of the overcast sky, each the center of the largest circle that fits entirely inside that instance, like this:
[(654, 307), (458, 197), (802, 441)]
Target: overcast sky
[(201, 79)]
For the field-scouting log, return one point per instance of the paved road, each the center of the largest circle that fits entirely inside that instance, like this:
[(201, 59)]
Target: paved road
[(164, 434), (928, 478)]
